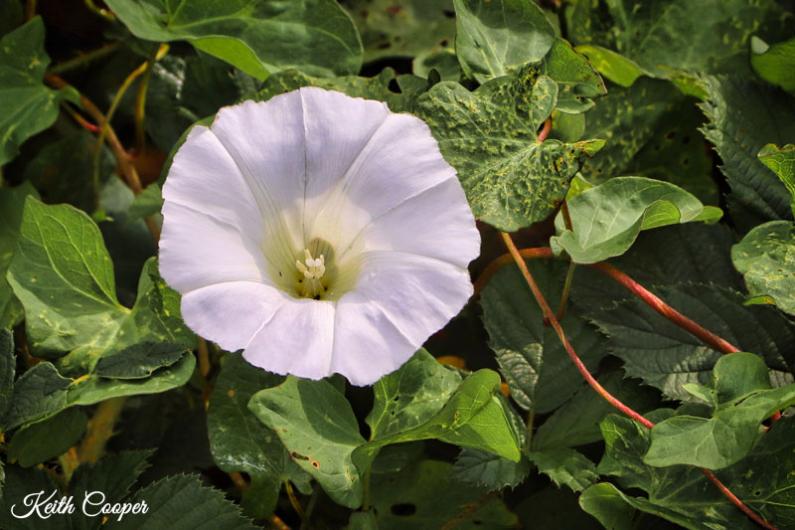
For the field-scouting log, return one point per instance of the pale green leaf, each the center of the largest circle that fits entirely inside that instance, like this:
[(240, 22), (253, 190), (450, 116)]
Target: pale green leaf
[(497, 37), (612, 65), (781, 160), (256, 36), (775, 63), (566, 467), (766, 258), (606, 219)]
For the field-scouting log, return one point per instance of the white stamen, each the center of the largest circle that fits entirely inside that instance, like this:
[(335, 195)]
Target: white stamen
[(312, 268)]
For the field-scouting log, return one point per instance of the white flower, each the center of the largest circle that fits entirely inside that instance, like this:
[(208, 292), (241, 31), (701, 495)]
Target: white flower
[(317, 232)]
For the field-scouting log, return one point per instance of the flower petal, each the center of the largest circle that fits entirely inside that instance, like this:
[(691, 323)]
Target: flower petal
[(297, 340), (266, 141), (367, 345), (197, 250), (437, 223), (400, 161), (230, 314), (416, 295), (204, 177)]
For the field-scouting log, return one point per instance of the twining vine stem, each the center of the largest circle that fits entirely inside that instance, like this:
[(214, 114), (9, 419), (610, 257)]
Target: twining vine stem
[(549, 315)]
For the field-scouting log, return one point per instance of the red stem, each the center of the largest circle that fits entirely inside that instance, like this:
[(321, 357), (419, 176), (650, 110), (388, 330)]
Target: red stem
[(549, 315), (545, 130), (654, 302)]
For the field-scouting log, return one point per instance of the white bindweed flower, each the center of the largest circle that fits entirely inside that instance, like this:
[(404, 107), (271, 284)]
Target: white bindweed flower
[(318, 233)]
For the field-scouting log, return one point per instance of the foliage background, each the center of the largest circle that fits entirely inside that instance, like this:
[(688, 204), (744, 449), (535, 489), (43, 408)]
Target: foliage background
[(542, 108)]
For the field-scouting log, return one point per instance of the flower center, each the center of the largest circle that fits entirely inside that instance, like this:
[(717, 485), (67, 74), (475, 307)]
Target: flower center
[(313, 270)]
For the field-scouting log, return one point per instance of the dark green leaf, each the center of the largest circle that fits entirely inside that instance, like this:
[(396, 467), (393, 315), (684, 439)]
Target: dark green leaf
[(240, 442), (8, 363), (743, 117), (665, 356), (140, 360), (566, 467), (26, 105), (12, 202), (425, 497), (47, 439), (182, 503)]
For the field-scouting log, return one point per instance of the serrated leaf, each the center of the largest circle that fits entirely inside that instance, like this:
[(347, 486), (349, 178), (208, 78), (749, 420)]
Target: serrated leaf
[(665, 356), (114, 474), (240, 442), (775, 63), (8, 363), (606, 219), (537, 369), (496, 38), (651, 130), (256, 36), (425, 497), (577, 421), (566, 467), (766, 258), (47, 439), (743, 117), (704, 36), (743, 399), (479, 468), (319, 429), (27, 106), (402, 28), (18, 484), (12, 202), (182, 503), (489, 136)]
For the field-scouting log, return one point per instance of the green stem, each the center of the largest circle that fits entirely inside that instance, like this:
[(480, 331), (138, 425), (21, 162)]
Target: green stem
[(84, 58)]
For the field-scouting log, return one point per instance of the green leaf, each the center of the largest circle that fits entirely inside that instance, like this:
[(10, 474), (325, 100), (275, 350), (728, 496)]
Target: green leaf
[(577, 80), (12, 202), (140, 360), (241, 443), (182, 503), (42, 391), (743, 117), (62, 169), (256, 36), (497, 37), (566, 467), (114, 475), (8, 363), (317, 426), (147, 203), (403, 28), (651, 130), (410, 396), (63, 275), (377, 87), (489, 136), (538, 371), (26, 105), (479, 468), (606, 219), (662, 37), (426, 497), (608, 505), (612, 65), (577, 421), (47, 439), (683, 496), (19, 483), (781, 160), (766, 258), (665, 356), (775, 64), (743, 399)]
